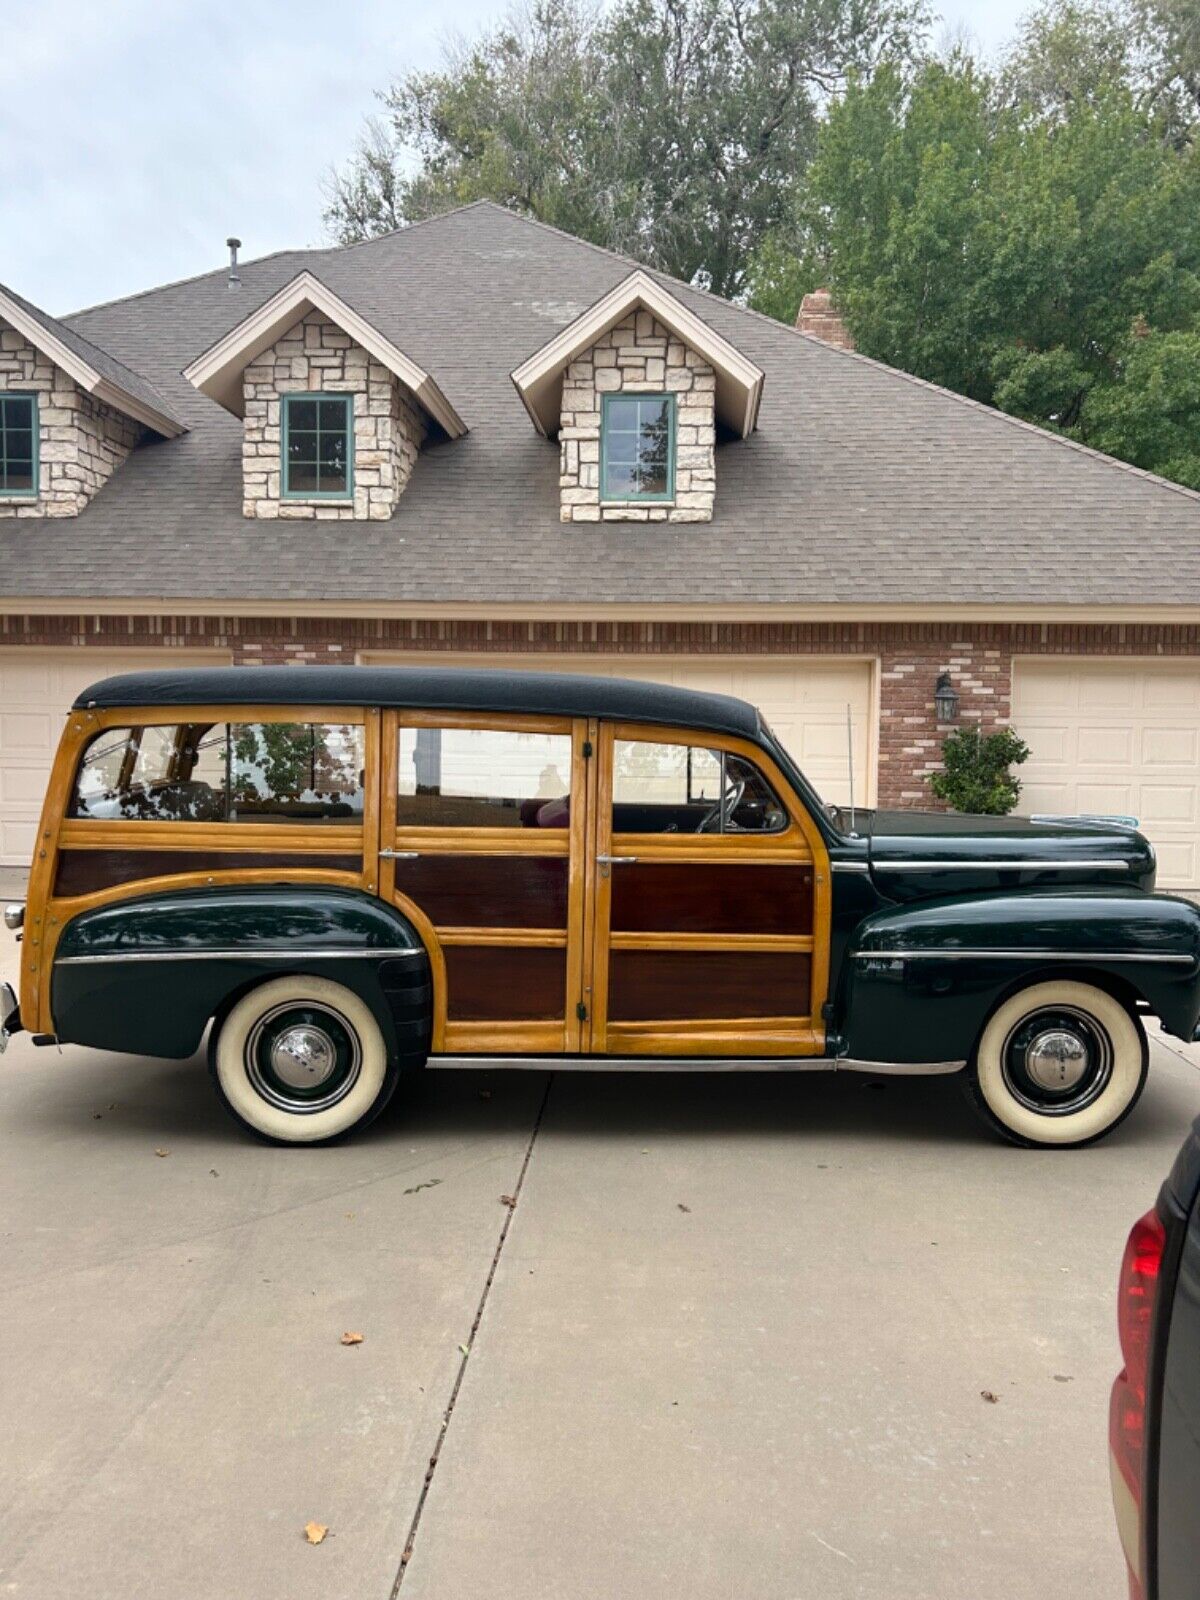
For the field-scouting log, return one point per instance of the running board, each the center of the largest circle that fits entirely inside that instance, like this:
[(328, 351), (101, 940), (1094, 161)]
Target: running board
[(701, 1064)]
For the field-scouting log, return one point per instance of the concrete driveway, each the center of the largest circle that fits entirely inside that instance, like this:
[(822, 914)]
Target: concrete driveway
[(732, 1340)]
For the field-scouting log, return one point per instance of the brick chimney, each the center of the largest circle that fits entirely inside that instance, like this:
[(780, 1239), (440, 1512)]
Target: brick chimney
[(819, 317)]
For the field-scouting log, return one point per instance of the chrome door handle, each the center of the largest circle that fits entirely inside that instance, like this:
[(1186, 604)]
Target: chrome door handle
[(400, 855), (615, 861)]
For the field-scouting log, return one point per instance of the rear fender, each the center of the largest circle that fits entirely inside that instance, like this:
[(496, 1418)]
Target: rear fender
[(146, 975)]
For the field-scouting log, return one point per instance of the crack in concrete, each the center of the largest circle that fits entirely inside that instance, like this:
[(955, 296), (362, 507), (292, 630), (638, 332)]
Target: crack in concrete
[(510, 1210)]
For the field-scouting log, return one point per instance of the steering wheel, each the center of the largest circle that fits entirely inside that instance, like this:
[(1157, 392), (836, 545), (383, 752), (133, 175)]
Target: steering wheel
[(717, 819)]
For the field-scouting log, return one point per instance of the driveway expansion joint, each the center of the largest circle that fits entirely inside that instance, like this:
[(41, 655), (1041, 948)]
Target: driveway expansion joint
[(510, 1202)]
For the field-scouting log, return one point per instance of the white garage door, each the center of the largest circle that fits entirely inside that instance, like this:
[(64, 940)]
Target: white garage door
[(803, 700), (1116, 736), (36, 691)]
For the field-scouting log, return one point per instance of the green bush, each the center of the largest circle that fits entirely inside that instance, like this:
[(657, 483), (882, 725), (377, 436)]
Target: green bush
[(977, 777)]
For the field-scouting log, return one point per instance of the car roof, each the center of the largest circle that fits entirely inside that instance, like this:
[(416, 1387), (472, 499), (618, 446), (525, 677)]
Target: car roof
[(564, 694)]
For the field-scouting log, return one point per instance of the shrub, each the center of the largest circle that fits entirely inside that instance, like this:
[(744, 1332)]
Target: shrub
[(977, 777)]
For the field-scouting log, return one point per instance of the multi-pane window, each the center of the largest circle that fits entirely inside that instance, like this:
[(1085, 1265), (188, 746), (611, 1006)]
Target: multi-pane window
[(18, 444), (637, 447), (318, 446), (483, 778), (223, 772)]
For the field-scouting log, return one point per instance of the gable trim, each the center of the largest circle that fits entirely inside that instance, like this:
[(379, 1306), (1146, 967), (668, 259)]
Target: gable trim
[(538, 380), (218, 372), (103, 389)]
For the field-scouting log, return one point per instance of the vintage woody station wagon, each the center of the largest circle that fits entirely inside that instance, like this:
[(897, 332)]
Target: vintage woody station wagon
[(344, 874)]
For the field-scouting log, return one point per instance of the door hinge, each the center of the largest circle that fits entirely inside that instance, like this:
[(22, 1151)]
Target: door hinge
[(581, 1011), (587, 748)]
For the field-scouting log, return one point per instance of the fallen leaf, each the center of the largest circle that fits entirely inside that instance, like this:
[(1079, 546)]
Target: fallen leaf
[(213, 1173), (162, 1152), (352, 1338), (314, 1532), (682, 1207), (508, 1200), (1063, 1377), (992, 1399), (430, 1183), (465, 1348)]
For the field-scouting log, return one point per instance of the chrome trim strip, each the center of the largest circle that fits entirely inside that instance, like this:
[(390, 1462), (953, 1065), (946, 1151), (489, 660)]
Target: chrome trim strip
[(959, 954), (236, 955), (850, 866), (698, 1064), (1001, 866)]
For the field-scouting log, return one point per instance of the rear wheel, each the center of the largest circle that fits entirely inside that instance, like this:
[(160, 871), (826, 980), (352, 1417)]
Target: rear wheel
[(1059, 1063), (300, 1060)]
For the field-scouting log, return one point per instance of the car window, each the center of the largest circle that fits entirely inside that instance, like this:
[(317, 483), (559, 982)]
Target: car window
[(223, 772), (483, 778), (678, 788)]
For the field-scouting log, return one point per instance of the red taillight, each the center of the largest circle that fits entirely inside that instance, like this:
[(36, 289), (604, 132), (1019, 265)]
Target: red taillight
[(1127, 1412)]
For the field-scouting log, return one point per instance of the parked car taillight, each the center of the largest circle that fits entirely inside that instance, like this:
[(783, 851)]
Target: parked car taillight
[(1127, 1411)]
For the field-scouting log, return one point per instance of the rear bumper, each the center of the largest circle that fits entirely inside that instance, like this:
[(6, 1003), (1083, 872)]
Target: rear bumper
[(10, 1017)]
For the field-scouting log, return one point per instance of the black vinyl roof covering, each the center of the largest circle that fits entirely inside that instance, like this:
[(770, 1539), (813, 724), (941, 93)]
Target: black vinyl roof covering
[(563, 694)]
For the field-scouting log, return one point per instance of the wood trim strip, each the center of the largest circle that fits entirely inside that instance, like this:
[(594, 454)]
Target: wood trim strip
[(489, 722), (85, 872), (546, 938), (482, 841), (804, 1040), (317, 838), (801, 943), (505, 1038)]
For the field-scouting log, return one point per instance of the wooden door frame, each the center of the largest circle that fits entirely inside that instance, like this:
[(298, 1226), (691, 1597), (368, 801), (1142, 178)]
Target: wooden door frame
[(517, 1037), (801, 843)]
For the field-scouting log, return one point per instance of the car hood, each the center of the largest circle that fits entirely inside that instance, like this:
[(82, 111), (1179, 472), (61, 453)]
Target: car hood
[(914, 854)]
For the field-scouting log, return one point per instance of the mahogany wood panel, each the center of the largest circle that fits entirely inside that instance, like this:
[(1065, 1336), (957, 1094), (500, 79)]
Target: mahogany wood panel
[(700, 897), (86, 871), (474, 891), (677, 985), (497, 983)]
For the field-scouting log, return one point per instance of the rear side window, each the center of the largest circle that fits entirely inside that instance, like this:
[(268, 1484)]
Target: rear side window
[(223, 772), (483, 778)]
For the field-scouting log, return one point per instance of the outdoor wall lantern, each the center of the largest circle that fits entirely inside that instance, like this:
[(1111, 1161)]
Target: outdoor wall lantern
[(945, 698)]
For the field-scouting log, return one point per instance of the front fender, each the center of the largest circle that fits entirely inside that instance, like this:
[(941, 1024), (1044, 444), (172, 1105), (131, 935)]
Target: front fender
[(144, 976), (919, 981)]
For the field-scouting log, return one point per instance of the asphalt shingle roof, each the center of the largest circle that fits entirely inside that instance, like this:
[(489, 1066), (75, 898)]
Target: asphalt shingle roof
[(99, 360), (861, 485)]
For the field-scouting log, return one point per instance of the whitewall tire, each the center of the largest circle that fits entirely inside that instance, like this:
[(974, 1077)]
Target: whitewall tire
[(1059, 1063), (300, 1060)]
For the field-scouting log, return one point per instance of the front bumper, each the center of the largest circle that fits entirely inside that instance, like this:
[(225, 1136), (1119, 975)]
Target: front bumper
[(10, 1019)]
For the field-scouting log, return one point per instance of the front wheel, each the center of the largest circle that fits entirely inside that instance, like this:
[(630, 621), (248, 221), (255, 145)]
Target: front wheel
[(300, 1060), (1059, 1063)]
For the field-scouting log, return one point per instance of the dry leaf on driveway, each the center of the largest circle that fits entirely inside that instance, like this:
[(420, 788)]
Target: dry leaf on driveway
[(161, 1152), (352, 1338), (992, 1399), (314, 1532), (508, 1200)]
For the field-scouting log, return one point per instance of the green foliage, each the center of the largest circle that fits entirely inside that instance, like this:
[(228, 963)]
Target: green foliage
[(977, 777), (1032, 241), (671, 130)]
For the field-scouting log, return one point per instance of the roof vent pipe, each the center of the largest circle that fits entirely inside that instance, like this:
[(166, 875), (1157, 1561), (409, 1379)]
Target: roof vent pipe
[(234, 246)]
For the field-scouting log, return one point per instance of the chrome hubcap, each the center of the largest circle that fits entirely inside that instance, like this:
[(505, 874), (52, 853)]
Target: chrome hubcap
[(303, 1057), (1056, 1059)]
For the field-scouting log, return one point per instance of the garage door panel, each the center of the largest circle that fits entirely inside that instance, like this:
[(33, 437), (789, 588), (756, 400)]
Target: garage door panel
[(803, 701), (1116, 737), (36, 691)]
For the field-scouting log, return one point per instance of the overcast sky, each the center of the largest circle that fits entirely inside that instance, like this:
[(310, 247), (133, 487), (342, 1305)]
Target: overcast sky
[(136, 135)]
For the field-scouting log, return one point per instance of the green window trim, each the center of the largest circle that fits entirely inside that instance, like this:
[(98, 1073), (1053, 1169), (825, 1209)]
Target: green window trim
[(323, 400), (637, 496), (10, 464)]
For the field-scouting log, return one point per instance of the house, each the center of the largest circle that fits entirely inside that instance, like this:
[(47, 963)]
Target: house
[(480, 437)]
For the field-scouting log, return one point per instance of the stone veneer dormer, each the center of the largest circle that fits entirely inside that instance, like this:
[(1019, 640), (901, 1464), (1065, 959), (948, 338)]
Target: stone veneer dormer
[(81, 440), (638, 355), (316, 355)]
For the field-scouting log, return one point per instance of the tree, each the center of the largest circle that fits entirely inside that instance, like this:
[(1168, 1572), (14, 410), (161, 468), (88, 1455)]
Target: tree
[(1040, 255), (671, 130)]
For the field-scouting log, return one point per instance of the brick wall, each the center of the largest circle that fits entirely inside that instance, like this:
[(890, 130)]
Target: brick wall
[(910, 656), (317, 356), (638, 356), (81, 441)]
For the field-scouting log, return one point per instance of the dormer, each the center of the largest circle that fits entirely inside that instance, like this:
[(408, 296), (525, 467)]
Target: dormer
[(333, 413), (69, 414), (634, 391)]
